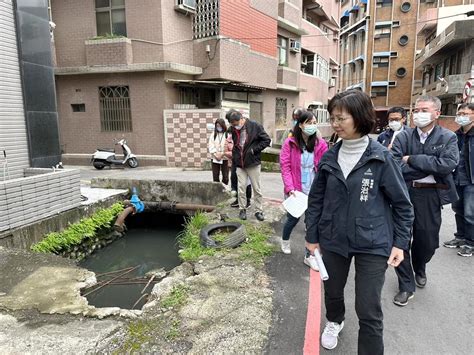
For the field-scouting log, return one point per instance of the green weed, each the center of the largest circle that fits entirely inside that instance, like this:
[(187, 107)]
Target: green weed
[(177, 297), (189, 241), (76, 233)]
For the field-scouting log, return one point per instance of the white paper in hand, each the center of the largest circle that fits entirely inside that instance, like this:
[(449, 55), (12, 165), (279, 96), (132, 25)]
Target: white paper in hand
[(296, 204)]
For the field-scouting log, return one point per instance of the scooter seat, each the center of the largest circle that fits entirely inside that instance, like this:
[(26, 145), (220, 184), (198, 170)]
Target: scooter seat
[(106, 150)]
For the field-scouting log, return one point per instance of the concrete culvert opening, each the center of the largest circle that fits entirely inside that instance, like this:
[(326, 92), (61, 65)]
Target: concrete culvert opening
[(128, 268)]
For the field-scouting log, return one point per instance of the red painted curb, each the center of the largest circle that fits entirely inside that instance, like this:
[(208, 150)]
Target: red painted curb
[(313, 315)]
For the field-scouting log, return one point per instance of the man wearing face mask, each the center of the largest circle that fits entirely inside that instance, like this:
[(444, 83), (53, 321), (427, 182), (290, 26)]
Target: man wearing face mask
[(428, 154), (397, 117), (249, 139), (464, 180)]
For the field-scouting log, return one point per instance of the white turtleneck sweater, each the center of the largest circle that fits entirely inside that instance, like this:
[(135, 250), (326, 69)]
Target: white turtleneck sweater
[(350, 153)]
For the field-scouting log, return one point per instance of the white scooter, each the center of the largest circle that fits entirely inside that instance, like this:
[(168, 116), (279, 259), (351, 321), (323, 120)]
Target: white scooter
[(106, 157)]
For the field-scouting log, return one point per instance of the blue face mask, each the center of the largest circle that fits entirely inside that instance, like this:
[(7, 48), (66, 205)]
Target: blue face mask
[(310, 129), (295, 122), (219, 129)]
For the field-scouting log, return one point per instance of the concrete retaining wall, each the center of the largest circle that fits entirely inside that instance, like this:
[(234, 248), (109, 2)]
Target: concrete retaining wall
[(202, 193), (40, 194), (24, 237)]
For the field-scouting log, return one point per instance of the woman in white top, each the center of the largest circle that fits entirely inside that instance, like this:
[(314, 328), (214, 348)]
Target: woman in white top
[(217, 144)]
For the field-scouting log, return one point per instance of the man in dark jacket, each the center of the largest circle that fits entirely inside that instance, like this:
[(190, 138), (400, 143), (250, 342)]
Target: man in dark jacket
[(464, 180), (397, 117), (428, 155), (249, 140)]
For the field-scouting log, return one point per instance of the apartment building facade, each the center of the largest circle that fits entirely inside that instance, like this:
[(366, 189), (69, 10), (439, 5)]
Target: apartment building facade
[(444, 65), (377, 46), (157, 72)]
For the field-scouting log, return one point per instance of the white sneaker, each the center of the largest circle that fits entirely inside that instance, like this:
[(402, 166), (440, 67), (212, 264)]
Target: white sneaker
[(311, 262), (285, 246), (330, 333)]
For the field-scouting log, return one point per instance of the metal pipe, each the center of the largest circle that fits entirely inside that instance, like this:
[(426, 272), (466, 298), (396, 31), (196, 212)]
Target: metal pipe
[(119, 224), (172, 205)]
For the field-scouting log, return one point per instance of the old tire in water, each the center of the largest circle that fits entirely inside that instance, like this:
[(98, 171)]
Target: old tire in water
[(236, 236)]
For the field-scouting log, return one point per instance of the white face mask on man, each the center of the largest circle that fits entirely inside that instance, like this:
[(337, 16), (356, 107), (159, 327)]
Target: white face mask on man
[(422, 119), (462, 120), (395, 125)]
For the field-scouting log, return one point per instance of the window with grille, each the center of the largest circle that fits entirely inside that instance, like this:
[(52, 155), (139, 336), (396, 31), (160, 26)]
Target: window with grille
[(322, 68), (206, 20), (282, 51), (280, 112), (110, 17), (115, 113), (380, 62), (307, 62)]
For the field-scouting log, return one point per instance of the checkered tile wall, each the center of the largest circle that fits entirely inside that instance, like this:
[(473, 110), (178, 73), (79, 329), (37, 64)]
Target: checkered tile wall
[(187, 135)]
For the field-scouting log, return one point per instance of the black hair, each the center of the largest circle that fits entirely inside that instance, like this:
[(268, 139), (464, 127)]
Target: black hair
[(221, 122), (466, 105), (233, 115), (359, 105), (298, 133), (297, 112), (397, 109)]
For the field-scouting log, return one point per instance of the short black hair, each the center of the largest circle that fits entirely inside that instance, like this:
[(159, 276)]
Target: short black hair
[(359, 105), (466, 105), (397, 109), (297, 112), (233, 115)]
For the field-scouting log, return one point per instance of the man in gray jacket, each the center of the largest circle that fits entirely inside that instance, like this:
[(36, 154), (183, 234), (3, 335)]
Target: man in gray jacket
[(428, 154)]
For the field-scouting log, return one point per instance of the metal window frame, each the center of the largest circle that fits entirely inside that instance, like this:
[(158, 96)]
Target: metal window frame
[(115, 108), (109, 10)]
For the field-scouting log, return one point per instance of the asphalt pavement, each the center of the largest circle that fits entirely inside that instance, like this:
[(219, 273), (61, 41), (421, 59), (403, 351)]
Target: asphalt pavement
[(438, 320)]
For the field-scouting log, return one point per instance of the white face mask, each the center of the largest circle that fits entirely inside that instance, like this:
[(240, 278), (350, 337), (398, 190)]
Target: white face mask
[(395, 125), (462, 120), (422, 119)]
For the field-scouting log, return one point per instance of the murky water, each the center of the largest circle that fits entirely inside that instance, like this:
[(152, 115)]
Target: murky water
[(150, 244)]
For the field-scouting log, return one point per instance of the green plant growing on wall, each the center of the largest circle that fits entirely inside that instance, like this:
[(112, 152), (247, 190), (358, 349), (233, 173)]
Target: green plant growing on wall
[(188, 239), (107, 36), (77, 233)]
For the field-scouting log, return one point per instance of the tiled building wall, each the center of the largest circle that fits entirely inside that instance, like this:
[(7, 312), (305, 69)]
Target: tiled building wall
[(262, 27), (109, 52), (187, 136)]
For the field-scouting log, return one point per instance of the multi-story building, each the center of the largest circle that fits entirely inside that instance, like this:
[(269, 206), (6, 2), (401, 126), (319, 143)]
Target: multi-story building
[(158, 72), (377, 44), (444, 65)]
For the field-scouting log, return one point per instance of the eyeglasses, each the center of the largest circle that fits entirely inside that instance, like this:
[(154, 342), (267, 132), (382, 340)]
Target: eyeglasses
[(338, 119)]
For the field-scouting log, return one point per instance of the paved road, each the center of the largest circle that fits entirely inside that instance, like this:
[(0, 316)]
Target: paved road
[(439, 320)]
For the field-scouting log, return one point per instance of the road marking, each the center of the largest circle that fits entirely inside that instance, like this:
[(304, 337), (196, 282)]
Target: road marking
[(313, 315)]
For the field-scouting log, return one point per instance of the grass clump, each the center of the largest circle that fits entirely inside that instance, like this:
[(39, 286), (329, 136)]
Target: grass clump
[(138, 333), (177, 297), (188, 239), (76, 233), (257, 247)]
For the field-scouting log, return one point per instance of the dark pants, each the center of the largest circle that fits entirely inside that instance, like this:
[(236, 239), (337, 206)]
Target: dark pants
[(234, 183), (217, 168), (290, 223), (369, 280), (464, 214), (425, 241)]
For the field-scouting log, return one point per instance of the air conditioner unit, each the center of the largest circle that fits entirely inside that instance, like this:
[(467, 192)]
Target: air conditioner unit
[(186, 6), (295, 46)]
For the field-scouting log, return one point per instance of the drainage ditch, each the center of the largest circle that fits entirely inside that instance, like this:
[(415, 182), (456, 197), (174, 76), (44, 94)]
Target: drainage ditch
[(128, 268)]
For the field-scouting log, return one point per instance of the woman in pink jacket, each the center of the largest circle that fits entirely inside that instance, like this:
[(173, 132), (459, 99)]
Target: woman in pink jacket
[(299, 160)]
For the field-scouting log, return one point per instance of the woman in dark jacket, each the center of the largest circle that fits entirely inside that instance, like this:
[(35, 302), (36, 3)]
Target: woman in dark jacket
[(359, 208)]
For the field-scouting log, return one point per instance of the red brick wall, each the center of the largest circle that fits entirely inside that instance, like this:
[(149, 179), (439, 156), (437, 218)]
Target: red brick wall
[(240, 21)]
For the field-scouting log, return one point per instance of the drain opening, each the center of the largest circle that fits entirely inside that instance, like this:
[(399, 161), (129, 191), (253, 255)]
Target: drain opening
[(128, 268)]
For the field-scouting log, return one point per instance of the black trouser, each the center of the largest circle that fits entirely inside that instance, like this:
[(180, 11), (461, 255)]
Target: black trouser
[(234, 183), (217, 168), (425, 241), (369, 280)]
